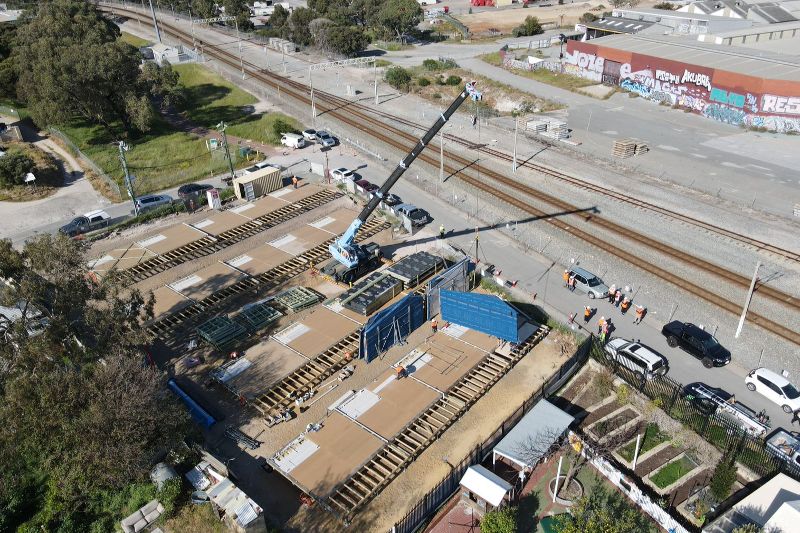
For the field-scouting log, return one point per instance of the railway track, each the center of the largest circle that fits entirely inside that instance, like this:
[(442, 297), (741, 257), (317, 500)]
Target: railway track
[(352, 115), (209, 244)]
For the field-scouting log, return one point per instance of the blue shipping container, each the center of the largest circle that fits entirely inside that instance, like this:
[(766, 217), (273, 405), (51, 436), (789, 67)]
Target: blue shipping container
[(481, 312), (200, 415), (390, 326)]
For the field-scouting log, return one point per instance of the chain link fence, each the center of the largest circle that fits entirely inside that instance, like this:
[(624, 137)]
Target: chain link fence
[(113, 186)]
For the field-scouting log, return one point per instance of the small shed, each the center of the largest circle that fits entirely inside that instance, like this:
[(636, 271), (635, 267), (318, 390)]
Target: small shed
[(483, 489), (530, 440), (163, 52), (257, 184)]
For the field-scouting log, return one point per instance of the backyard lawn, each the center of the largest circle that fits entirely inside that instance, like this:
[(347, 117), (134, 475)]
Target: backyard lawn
[(672, 472), (653, 436)]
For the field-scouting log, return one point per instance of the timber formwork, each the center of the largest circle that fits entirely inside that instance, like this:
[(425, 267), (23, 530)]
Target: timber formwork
[(351, 495), (209, 245), (168, 328)]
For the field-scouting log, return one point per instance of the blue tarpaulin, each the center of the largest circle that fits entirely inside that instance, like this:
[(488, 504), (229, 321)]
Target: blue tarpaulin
[(200, 415), (481, 312), (390, 326)]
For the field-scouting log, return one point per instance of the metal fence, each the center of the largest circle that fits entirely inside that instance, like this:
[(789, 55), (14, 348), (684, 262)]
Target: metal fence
[(441, 493), (86, 160), (726, 435)]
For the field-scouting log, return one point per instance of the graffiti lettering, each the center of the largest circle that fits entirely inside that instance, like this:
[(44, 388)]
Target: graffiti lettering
[(725, 97), (772, 123), (663, 75), (698, 79), (635, 87), (724, 114), (586, 61), (751, 103), (662, 97), (780, 104)]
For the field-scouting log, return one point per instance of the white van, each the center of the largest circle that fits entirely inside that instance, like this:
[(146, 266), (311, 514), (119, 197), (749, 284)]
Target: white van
[(292, 140)]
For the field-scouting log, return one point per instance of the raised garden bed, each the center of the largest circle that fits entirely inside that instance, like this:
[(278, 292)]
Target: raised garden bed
[(673, 471), (604, 427), (653, 436)]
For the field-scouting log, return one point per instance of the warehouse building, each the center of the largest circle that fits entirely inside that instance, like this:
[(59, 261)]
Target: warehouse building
[(748, 88)]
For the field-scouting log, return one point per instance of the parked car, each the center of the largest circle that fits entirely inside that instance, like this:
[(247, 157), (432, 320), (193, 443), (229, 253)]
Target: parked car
[(367, 186), (391, 199), (785, 445), (706, 398), (645, 362), (325, 139), (710, 400), (84, 224), (193, 189), (310, 135), (587, 282), (152, 201), (293, 140), (698, 342), (262, 164), (419, 217), (774, 387), (341, 174)]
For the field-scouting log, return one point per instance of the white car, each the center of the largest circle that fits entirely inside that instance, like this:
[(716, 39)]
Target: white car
[(775, 387), (342, 174), (310, 135), (644, 362)]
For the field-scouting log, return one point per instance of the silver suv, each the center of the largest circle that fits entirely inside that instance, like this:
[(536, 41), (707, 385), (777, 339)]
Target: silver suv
[(643, 361), (589, 283)]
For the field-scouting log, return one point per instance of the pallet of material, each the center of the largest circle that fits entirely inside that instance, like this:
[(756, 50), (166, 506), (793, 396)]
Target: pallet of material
[(258, 317), (297, 298), (369, 294), (624, 148), (415, 268), (221, 331)]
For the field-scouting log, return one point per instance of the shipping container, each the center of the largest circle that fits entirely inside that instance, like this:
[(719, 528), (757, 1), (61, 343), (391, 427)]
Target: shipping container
[(257, 184)]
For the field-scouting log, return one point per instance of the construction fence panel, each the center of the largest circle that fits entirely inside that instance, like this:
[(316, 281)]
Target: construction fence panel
[(433, 501), (452, 279), (390, 326)]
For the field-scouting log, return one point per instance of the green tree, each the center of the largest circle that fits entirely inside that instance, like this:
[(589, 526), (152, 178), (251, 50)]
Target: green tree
[(203, 9), (279, 127), (602, 511), (398, 77), (13, 168), (74, 65), (8, 71), (163, 83), (669, 6), (530, 26), (240, 10), (500, 521), (588, 17), (723, 477), (399, 16), (347, 40), (299, 22), (279, 17)]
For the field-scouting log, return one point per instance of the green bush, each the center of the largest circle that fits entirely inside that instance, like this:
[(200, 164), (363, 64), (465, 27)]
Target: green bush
[(588, 17), (723, 478), (398, 77), (423, 82), (530, 26), (280, 126), (430, 64), (13, 168), (452, 80), (169, 495), (500, 521)]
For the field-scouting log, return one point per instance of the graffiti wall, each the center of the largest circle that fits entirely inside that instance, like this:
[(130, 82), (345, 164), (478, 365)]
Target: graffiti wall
[(719, 95)]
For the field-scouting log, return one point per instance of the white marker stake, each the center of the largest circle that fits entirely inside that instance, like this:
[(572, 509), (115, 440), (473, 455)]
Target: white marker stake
[(558, 478), (636, 452)]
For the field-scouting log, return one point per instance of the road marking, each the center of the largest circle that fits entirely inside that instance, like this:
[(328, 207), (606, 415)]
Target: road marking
[(668, 148), (700, 156), (620, 108)]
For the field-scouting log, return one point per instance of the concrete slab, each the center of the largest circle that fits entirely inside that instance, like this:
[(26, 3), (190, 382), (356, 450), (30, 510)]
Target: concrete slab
[(470, 336), (120, 259), (167, 301), (315, 333), (343, 447), (270, 362), (336, 222), (259, 260), (260, 207), (300, 240), (207, 281), (291, 195), (441, 361), (171, 238), (219, 222)]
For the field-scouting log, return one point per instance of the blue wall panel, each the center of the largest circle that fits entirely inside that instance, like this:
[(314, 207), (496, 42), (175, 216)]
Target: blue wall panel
[(395, 322), (481, 312), (200, 415)]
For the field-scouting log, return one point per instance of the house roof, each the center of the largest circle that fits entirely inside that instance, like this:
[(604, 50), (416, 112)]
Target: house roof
[(775, 506), (544, 421), (771, 13), (161, 48), (487, 485)]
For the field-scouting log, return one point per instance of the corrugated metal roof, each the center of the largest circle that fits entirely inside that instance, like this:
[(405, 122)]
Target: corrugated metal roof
[(487, 485), (619, 25), (526, 443), (731, 58)]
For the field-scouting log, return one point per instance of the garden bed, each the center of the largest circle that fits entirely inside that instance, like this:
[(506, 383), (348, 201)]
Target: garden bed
[(672, 471), (653, 436), (609, 425)]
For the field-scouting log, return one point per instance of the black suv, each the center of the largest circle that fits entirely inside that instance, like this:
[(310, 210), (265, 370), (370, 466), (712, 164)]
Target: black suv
[(697, 342)]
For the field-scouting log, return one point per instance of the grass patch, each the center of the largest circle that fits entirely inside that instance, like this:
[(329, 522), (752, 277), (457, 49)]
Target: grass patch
[(133, 40), (672, 472), (13, 108), (193, 518), (653, 436), (382, 63), (259, 127), (564, 81), (46, 169)]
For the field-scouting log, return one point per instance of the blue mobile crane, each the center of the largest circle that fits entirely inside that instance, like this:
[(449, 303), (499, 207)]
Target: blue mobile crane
[(351, 260)]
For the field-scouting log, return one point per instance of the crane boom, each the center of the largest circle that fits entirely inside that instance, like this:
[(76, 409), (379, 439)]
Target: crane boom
[(343, 249)]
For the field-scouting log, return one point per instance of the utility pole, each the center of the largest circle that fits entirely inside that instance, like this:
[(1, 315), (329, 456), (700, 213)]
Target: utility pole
[(221, 128), (516, 128), (441, 156), (155, 22), (313, 106), (128, 182), (191, 21), (375, 65), (239, 38), (747, 300)]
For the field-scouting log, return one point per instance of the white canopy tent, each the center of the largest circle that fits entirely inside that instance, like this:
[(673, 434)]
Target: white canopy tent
[(545, 422), (485, 485)]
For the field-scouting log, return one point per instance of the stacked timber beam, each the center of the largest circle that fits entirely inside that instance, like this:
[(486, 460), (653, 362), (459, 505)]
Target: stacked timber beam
[(397, 454), (624, 148)]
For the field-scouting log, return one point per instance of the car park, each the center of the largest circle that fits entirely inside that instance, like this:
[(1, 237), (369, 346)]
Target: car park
[(310, 135), (152, 201), (293, 140), (193, 189), (419, 217), (587, 282), (84, 224), (774, 387), (324, 138), (696, 341), (342, 174), (643, 361)]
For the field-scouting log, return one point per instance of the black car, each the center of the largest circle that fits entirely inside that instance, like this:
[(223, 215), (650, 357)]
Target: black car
[(706, 398), (193, 189), (697, 342)]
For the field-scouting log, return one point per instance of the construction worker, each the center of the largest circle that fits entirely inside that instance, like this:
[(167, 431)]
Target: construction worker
[(625, 305), (572, 283), (587, 314), (617, 298), (566, 278), (441, 231), (611, 293), (640, 312), (294, 181), (434, 325), (601, 324)]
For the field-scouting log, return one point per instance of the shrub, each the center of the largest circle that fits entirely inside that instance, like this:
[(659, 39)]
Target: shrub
[(531, 26), (437, 96), (588, 17), (500, 521), (169, 494), (723, 477), (13, 168), (669, 6), (430, 64), (279, 127), (623, 394), (452, 80), (398, 77), (423, 82), (604, 381)]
